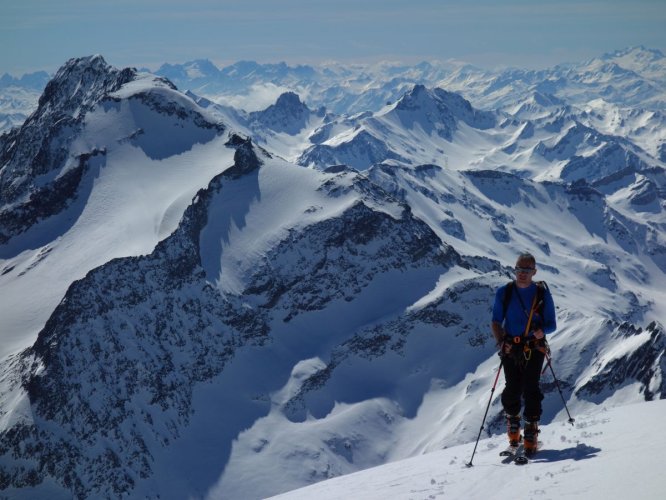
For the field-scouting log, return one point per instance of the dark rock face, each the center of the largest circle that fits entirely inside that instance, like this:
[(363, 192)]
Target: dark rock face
[(337, 258), (642, 364), (47, 200), (41, 145), (124, 348), (38, 179), (245, 158)]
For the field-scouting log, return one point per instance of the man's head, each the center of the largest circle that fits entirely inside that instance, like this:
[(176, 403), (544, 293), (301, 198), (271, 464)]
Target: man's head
[(525, 269)]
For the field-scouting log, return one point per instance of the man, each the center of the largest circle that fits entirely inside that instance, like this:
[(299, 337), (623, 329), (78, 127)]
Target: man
[(523, 313)]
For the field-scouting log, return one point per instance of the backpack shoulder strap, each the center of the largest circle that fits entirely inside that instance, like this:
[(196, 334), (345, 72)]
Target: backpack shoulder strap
[(542, 288)]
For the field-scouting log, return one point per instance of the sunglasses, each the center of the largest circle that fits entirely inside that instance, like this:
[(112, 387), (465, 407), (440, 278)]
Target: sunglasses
[(524, 269)]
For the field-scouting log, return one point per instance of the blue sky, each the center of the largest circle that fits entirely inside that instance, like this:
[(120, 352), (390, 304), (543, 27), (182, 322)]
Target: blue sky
[(43, 34)]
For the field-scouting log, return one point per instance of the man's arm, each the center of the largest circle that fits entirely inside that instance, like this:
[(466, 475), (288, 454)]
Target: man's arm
[(498, 332), (498, 318), (550, 317)]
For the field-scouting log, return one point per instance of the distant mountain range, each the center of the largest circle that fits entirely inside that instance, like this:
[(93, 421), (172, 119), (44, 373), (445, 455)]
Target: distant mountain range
[(194, 291), (633, 77)]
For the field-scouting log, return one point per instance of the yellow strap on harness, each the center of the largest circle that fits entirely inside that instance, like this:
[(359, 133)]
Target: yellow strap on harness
[(529, 319), (527, 351)]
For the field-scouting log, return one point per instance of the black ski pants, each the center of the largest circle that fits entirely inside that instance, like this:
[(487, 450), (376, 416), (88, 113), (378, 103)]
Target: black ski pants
[(522, 382)]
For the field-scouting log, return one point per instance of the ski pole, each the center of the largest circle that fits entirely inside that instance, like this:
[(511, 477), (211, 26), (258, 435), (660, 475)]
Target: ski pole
[(559, 389), (492, 391)]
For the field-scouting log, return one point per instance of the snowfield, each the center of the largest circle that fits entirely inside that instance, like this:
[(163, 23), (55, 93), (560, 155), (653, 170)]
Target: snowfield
[(608, 453)]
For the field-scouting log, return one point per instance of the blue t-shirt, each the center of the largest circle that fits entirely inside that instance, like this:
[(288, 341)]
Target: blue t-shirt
[(518, 311)]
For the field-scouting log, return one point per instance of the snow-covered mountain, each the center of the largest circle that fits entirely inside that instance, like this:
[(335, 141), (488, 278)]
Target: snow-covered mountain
[(439, 127), (414, 130), (188, 287), (89, 177)]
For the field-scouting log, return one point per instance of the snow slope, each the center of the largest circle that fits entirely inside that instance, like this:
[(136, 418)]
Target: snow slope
[(107, 227), (608, 453)]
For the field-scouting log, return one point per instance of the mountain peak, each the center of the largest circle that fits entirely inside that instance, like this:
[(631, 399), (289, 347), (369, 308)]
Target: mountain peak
[(81, 82), (640, 60), (419, 89), (289, 114), (289, 100), (77, 86), (245, 158), (76, 67), (85, 61), (536, 105), (192, 70), (546, 99), (438, 109), (637, 52), (420, 95)]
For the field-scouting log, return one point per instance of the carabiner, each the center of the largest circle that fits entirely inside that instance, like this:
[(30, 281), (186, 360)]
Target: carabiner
[(527, 353)]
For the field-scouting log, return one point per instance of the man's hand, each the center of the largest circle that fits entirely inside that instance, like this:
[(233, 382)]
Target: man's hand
[(538, 334), (504, 347)]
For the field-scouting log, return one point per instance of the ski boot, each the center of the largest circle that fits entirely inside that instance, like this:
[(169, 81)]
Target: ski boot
[(531, 440), (513, 429)]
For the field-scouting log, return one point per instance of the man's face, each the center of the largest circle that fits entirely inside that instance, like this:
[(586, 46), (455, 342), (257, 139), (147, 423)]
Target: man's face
[(525, 270)]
